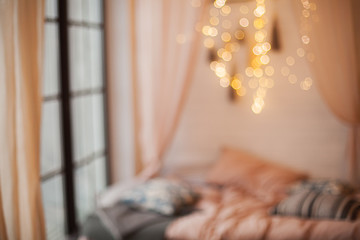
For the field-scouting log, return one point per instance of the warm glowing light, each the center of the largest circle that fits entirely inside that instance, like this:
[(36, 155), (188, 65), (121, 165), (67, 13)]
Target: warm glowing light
[(205, 30), (230, 47), (214, 21), (312, 6), (265, 59), (308, 81), (212, 32), (239, 34), (257, 50), (244, 22), (266, 46), (269, 70), (249, 71), (241, 92), (236, 84), (220, 70), (292, 78), (305, 39), (226, 37), (259, 11), (181, 38), (256, 108), (219, 3), (300, 52), (224, 82), (259, 23), (226, 24), (260, 36), (259, 101), (290, 61), (220, 52), (226, 10), (213, 65), (285, 71), (209, 42), (258, 72), (227, 56)]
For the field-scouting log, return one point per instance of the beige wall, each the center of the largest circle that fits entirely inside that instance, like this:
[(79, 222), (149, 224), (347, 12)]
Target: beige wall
[(295, 128)]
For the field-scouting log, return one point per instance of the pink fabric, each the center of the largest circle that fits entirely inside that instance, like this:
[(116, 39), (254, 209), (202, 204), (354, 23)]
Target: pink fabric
[(235, 213), (334, 40), (240, 168), (166, 47)]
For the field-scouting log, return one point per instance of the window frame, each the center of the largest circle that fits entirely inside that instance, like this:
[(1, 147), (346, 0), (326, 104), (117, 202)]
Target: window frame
[(64, 97)]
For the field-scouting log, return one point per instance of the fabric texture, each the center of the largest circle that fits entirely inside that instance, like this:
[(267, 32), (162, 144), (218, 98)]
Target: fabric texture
[(315, 204), (163, 196), (235, 167), (166, 51), (21, 61), (119, 221), (333, 186), (334, 41), (236, 213)]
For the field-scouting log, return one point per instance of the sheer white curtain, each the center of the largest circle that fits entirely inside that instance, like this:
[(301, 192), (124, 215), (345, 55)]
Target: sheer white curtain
[(166, 52), (21, 34), (335, 41)]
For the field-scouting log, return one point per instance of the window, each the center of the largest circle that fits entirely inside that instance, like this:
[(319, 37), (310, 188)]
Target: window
[(74, 149)]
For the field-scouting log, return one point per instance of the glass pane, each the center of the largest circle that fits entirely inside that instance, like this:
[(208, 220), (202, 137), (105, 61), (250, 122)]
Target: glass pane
[(93, 11), (51, 8), (52, 193), (99, 168), (79, 58), (75, 12), (51, 60), (84, 191), (85, 10), (96, 57), (88, 125), (50, 137), (86, 58), (98, 121)]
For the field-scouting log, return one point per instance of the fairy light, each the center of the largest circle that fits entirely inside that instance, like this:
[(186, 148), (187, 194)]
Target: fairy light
[(226, 41)]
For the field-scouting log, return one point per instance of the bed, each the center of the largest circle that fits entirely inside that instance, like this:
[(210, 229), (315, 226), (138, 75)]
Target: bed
[(246, 197)]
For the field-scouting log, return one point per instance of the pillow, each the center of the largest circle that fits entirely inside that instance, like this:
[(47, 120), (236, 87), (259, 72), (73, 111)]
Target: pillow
[(164, 196), (314, 204), (333, 186), (247, 170)]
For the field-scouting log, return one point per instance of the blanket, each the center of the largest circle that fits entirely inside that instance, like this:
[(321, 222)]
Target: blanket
[(236, 213)]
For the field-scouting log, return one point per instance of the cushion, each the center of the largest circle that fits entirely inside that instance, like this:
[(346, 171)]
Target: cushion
[(245, 169), (330, 186), (164, 196), (315, 204)]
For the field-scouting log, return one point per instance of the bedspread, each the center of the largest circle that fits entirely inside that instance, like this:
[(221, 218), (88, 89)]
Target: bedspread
[(235, 213)]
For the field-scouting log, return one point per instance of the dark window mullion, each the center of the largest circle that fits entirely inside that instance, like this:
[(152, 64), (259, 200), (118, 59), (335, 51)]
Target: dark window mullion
[(66, 119)]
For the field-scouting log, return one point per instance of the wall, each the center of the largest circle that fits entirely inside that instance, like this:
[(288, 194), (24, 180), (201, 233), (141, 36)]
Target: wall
[(295, 128)]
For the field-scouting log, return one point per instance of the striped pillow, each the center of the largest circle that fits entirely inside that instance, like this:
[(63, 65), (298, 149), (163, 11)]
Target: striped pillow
[(314, 204)]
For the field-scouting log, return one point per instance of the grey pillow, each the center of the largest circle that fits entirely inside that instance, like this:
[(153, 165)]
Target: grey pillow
[(315, 204)]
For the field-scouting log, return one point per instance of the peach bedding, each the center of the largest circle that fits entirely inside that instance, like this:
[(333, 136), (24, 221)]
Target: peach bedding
[(235, 213), (239, 209)]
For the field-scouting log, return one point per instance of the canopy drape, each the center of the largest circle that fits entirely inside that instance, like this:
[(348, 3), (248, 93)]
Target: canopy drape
[(335, 42), (21, 43), (166, 49)]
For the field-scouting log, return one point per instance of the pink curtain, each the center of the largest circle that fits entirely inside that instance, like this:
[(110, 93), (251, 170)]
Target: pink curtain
[(166, 52), (21, 34), (335, 41)]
